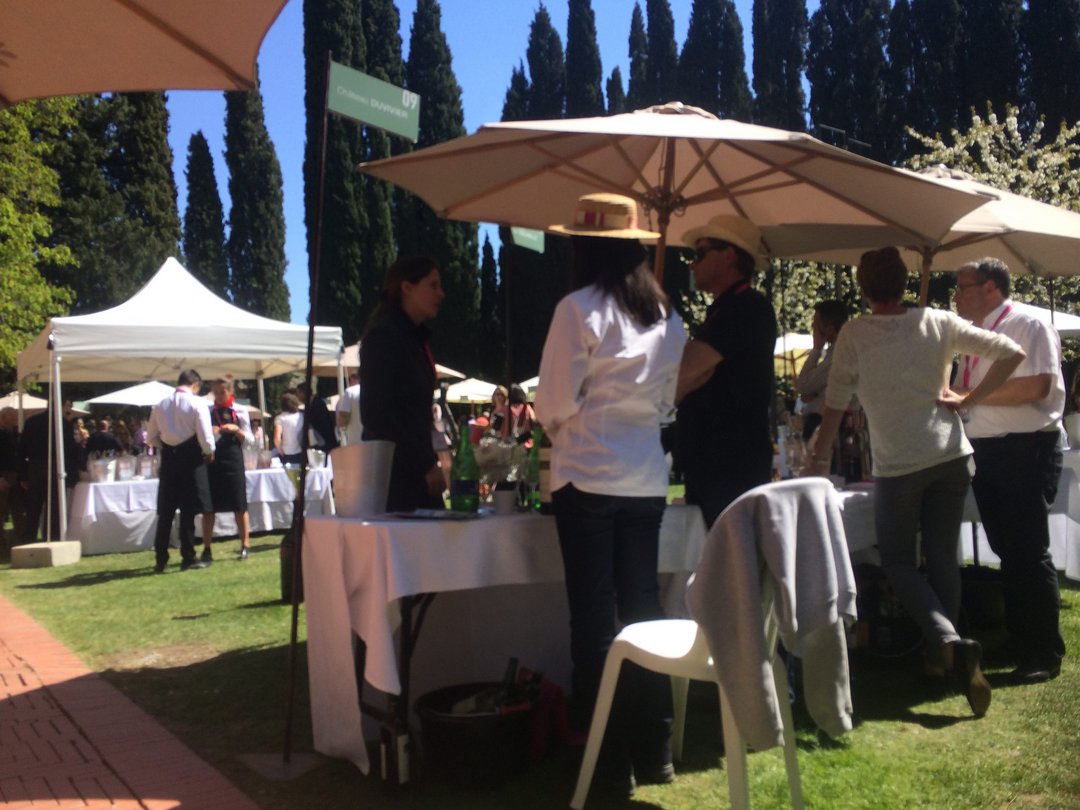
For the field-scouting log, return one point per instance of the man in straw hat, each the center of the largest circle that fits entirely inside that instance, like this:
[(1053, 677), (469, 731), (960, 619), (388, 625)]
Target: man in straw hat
[(723, 436)]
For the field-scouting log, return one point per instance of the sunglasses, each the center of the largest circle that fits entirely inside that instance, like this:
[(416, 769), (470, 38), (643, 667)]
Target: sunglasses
[(701, 252)]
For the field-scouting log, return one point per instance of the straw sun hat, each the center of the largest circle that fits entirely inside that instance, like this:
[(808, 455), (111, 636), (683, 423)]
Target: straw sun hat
[(610, 215), (737, 231)]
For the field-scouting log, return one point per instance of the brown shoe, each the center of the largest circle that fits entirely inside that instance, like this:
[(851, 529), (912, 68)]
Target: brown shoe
[(967, 656)]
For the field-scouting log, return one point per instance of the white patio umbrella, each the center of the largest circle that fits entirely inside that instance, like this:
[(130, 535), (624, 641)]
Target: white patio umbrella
[(469, 391), (790, 351), (676, 161), (1028, 235), (29, 403), (64, 48)]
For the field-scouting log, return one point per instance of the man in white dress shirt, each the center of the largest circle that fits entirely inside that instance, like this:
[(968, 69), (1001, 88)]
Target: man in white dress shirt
[(348, 411), (1016, 433), (180, 429)]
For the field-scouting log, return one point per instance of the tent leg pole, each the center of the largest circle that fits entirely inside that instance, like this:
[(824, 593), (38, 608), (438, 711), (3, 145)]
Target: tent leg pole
[(261, 386)]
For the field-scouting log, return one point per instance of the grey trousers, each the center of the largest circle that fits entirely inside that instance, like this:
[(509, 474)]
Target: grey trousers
[(930, 500)]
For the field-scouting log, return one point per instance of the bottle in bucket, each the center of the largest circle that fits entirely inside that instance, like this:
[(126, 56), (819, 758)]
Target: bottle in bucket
[(394, 753), (464, 476)]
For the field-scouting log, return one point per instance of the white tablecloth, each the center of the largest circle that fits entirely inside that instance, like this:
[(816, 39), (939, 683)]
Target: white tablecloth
[(122, 516), (858, 505), (355, 571)]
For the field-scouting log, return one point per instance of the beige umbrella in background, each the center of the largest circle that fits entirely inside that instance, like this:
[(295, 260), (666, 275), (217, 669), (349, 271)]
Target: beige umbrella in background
[(1028, 235), (70, 47), (683, 166), (350, 358)]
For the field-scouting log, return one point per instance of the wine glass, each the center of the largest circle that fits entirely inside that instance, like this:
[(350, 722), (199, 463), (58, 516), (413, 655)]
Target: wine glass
[(796, 455)]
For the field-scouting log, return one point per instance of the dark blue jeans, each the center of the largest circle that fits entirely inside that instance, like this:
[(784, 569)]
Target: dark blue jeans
[(1016, 481), (609, 548)]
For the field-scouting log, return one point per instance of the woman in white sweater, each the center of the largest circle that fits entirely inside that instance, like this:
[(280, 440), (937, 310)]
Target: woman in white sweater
[(897, 360)]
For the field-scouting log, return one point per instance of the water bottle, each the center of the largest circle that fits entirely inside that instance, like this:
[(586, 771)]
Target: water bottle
[(464, 475)]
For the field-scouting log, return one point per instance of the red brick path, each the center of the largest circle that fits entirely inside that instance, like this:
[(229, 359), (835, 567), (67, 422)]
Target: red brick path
[(68, 739)]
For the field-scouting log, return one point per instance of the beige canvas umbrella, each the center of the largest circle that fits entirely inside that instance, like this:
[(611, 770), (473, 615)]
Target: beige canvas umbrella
[(1028, 235), (70, 47), (350, 358), (683, 166)]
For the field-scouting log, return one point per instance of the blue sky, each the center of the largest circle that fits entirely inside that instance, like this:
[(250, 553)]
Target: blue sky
[(487, 40)]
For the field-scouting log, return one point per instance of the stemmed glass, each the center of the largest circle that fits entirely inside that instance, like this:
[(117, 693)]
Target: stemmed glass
[(796, 455)]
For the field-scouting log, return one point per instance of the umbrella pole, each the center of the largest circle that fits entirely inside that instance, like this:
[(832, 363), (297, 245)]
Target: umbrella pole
[(661, 249), (300, 502), (924, 280)]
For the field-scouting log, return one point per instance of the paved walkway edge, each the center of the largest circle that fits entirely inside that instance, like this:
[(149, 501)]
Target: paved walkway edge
[(70, 739)]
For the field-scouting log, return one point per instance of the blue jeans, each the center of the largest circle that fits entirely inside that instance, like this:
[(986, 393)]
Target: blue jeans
[(931, 500), (609, 547), (1016, 481)]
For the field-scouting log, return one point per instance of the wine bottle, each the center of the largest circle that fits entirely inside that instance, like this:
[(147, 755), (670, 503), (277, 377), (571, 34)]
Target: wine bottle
[(532, 473), (464, 476)]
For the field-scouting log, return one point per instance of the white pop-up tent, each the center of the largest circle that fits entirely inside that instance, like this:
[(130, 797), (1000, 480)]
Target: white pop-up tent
[(173, 323)]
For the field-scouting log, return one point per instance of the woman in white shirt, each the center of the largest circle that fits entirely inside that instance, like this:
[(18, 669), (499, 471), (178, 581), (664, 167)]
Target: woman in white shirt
[(289, 430), (607, 379), (897, 360)]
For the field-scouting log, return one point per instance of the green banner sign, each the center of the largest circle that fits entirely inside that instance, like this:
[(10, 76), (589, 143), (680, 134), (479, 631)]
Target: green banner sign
[(528, 238), (373, 101)]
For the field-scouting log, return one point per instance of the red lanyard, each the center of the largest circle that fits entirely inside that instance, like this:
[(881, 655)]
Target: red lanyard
[(971, 362)]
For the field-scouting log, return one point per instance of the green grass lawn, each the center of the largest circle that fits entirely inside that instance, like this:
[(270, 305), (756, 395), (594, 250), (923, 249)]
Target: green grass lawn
[(206, 652)]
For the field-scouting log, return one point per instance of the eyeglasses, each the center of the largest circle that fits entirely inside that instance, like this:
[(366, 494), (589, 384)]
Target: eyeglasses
[(961, 287)]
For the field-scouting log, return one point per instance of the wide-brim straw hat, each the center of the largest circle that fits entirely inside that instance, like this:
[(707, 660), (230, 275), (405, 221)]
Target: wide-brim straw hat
[(609, 215), (734, 230)]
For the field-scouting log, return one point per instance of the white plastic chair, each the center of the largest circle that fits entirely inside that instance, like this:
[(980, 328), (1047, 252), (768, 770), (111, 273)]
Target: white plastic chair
[(678, 647), (361, 478)]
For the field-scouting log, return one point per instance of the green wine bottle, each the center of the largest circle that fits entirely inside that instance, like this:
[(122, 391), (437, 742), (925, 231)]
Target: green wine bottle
[(464, 475)]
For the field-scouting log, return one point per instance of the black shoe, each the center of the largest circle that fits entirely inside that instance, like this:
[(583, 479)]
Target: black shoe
[(1035, 672), (967, 655), (661, 775), (159, 567), (189, 565), (207, 556), (244, 552)]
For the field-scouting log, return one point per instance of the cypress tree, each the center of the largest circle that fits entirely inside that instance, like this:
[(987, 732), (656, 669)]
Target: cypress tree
[(935, 93), (846, 68), (492, 336), (662, 66), (142, 169), (382, 200), (616, 97), (700, 57), (257, 219), (1052, 40), (453, 245), (584, 97), (779, 33), (516, 103), (992, 62), (899, 77), (547, 68), (536, 281), (334, 26), (711, 68), (90, 218), (637, 92), (735, 101), (204, 220)]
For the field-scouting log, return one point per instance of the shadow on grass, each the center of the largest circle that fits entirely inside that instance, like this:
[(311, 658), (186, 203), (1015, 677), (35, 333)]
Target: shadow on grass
[(94, 578)]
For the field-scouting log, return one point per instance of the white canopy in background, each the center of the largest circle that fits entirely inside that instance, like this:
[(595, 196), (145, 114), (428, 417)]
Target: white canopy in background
[(171, 324), (1066, 325), (146, 395)]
